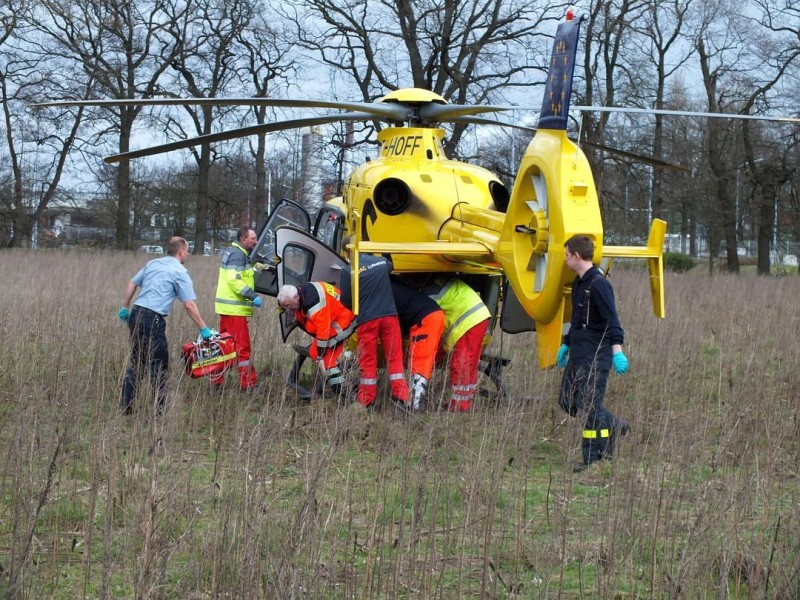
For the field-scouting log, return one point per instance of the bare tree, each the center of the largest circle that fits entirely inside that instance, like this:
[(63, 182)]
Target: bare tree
[(740, 72), (37, 145), (770, 167), (464, 50), (123, 47), (661, 26), (206, 66), (265, 55), (608, 38)]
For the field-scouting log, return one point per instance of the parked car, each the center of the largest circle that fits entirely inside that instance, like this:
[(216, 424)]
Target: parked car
[(206, 249), (150, 249)]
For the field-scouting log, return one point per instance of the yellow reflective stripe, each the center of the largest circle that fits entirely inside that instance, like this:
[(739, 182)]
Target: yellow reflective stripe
[(592, 434), (457, 323), (244, 302), (214, 360), (443, 291)]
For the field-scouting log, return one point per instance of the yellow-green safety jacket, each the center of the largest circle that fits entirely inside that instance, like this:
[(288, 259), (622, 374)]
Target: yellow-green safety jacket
[(235, 293), (463, 309)]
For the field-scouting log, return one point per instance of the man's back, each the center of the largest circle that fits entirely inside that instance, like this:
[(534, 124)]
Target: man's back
[(375, 297)]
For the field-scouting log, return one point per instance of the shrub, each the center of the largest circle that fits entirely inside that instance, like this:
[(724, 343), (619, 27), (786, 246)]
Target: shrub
[(678, 262)]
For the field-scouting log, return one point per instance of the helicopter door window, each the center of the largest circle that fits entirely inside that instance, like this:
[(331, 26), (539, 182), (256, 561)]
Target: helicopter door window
[(286, 213), (298, 265)]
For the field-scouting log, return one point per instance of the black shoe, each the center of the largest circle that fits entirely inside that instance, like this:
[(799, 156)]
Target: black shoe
[(579, 467)]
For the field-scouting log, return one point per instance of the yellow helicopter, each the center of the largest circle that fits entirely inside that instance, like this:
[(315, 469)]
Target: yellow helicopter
[(437, 215)]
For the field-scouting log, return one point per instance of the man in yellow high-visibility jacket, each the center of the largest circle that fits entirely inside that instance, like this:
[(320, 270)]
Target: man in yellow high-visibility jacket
[(235, 300), (466, 322)]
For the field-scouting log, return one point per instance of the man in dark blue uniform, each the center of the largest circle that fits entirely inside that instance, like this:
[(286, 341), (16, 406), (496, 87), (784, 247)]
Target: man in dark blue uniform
[(376, 320), (591, 346)]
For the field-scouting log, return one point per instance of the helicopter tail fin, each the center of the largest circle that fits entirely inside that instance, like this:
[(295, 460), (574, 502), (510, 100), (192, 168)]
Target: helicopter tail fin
[(654, 254), (548, 337)]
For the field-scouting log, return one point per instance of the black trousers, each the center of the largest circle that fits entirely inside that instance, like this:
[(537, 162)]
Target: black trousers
[(149, 355), (583, 389)]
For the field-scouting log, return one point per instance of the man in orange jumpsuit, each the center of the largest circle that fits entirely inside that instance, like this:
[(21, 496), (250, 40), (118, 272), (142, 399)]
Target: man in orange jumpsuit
[(319, 311), (422, 321)]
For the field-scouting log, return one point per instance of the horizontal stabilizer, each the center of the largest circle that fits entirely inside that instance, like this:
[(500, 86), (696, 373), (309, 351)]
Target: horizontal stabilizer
[(654, 254)]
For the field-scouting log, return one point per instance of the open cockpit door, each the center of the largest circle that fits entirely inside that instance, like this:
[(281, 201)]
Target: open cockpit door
[(303, 258), (286, 213)]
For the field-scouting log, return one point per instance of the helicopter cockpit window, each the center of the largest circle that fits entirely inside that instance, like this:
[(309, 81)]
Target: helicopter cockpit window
[(298, 264), (329, 225)]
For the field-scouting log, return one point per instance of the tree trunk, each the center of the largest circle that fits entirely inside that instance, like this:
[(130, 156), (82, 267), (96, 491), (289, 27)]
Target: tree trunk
[(768, 189), (124, 241), (201, 226)]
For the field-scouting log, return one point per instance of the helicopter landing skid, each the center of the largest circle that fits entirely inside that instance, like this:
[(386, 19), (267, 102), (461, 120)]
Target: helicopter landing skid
[(294, 374), (490, 365)]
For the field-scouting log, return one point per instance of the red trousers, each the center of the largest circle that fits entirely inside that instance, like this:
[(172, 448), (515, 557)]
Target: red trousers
[(387, 329), (464, 361), (330, 356), (236, 325), (424, 344)]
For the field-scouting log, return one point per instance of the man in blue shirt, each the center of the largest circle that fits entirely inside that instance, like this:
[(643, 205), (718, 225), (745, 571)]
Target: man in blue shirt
[(161, 280), (591, 347)]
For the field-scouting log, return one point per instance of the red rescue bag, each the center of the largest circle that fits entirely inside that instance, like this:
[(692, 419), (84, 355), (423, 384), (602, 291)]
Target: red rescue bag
[(204, 358)]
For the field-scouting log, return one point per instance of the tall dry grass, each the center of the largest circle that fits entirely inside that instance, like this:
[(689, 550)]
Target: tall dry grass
[(267, 496)]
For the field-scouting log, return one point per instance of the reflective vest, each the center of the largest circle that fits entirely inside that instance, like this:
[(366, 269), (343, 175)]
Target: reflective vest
[(329, 321), (235, 293), (463, 309)]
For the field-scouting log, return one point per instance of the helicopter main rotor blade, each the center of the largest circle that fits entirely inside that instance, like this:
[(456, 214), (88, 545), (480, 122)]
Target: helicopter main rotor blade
[(684, 113), (222, 136), (395, 112), (485, 121), (648, 160), (441, 113), (624, 153)]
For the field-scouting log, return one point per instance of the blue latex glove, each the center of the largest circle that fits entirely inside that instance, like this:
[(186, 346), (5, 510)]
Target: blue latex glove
[(123, 314), (620, 362), (563, 356), (205, 333), (257, 302)]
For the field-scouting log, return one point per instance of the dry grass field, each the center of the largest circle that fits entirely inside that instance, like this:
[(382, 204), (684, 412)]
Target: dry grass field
[(266, 496)]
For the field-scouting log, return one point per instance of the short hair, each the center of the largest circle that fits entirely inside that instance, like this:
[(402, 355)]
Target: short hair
[(243, 232), (176, 244), (583, 245), (287, 292)]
